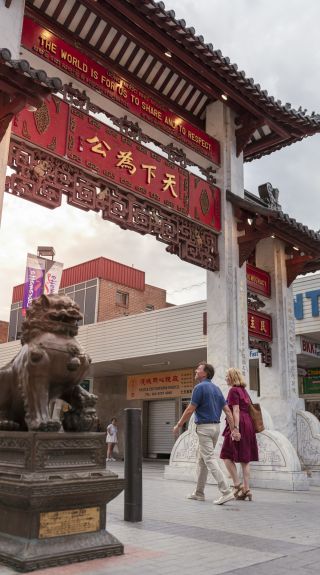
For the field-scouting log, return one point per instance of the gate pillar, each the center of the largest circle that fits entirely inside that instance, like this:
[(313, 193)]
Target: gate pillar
[(226, 289), (279, 382), (11, 27)]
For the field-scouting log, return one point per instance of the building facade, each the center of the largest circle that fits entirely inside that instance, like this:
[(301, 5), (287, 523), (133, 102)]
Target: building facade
[(147, 360), (103, 289), (4, 326), (307, 320)]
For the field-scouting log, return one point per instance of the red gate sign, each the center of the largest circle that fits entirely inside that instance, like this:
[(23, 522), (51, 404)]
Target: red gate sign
[(73, 62), (258, 280), (95, 147), (205, 202), (260, 325), (106, 152), (46, 128)]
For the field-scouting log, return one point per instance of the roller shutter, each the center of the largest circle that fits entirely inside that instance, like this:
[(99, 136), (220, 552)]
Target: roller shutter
[(160, 423)]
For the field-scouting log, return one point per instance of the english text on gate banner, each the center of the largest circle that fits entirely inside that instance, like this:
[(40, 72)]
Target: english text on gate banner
[(72, 61)]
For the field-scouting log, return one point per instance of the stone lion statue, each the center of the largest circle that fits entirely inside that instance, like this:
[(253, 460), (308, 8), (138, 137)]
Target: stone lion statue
[(49, 366)]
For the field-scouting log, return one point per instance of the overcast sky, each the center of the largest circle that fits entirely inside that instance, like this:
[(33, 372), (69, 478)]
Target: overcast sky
[(274, 41)]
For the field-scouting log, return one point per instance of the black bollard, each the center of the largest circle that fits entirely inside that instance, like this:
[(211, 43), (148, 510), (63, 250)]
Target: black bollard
[(133, 465)]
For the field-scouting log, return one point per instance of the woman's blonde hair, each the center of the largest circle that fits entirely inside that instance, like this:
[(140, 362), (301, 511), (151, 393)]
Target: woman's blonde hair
[(235, 377)]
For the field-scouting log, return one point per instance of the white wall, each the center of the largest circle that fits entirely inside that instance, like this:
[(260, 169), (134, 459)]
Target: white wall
[(173, 329)]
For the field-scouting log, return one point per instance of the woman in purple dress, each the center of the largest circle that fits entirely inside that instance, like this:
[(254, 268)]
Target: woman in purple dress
[(240, 445)]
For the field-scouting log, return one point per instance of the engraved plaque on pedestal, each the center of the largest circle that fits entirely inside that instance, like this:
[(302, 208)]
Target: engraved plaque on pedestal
[(54, 489), (69, 522)]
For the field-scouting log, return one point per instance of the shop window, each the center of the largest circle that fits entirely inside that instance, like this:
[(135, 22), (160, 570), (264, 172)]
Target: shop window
[(15, 321), (149, 307), (84, 294), (13, 325), (254, 376), (90, 305), (313, 407), (122, 298)]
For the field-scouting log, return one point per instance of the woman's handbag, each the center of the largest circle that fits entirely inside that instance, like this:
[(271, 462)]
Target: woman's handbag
[(256, 416)]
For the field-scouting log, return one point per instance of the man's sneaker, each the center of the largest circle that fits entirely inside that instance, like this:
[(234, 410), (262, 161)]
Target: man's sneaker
[(195, 496), (224, 498)]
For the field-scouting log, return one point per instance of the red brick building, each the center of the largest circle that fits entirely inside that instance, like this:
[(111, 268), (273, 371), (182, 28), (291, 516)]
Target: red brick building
[(4, 331), (103, 289)]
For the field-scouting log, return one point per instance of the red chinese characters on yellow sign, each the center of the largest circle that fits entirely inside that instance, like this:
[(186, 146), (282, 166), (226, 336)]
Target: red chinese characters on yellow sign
[(260, 325), (96, 147), (160, 385)]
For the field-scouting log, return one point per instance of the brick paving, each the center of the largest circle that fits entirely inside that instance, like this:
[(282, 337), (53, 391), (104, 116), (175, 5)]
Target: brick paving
[(277, 533)]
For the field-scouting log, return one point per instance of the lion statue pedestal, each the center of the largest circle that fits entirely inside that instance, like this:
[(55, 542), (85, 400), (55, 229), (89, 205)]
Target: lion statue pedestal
[(53, 484), (53, 494)]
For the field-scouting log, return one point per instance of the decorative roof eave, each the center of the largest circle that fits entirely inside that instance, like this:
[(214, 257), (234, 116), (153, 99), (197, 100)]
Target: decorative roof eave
[(267, 145), (101, 12), (21, 85), (290, 125), (222, 65), (149, 27), (258, 221)]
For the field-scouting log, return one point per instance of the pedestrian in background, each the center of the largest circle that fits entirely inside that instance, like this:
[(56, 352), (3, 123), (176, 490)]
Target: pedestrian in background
[(207, 402), (241, 449), (112, 438)]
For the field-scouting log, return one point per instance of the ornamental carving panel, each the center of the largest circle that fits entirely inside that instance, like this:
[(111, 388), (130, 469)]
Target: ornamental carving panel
[(269, 452), (42, 178), (308, 436)]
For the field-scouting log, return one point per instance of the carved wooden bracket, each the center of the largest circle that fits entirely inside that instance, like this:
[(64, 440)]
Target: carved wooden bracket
[(264, 348), (21, 85), (243, 134), (258, 219), (9, 106), (299, 265), (253, 233)]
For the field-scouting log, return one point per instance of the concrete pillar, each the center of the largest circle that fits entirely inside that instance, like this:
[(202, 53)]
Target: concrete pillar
[(11, 20), (279, 383), (227, 289)]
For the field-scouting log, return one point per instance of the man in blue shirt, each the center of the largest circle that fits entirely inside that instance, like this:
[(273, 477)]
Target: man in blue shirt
[(207, 402)]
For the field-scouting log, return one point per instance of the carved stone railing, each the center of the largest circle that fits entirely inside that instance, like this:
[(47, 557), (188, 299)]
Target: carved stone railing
[(308, 444)]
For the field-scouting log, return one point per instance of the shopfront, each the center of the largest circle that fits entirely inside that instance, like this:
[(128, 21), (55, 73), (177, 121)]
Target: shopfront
[(165, 396), (307, 318)]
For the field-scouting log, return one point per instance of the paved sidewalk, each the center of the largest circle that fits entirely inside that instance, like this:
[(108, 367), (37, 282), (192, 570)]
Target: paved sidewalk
[(276, 534)]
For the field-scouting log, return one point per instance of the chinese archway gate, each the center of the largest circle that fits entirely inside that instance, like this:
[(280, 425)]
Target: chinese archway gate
[(204, 118), (61, 149)]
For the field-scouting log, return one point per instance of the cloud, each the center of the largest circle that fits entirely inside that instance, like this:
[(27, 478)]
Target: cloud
[(79, 236)]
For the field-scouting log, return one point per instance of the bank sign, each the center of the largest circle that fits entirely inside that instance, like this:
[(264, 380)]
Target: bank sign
[(308, 347), (301, 300)]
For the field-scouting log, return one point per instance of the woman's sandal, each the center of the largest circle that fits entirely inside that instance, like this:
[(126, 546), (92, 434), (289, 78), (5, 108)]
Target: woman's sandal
[(237, 489), (243, 495)]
